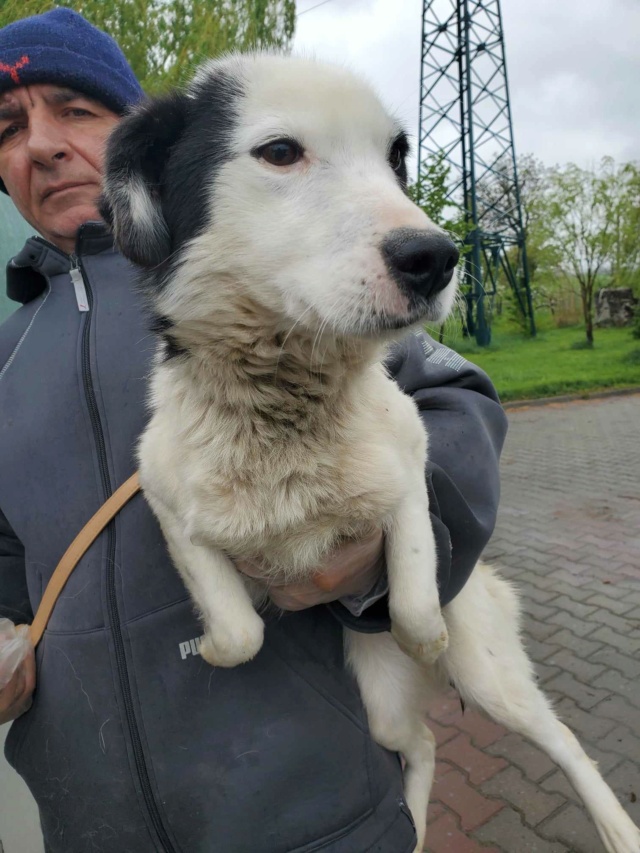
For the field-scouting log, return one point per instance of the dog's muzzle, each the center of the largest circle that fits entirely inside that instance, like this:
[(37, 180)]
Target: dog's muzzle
[(421, 262)]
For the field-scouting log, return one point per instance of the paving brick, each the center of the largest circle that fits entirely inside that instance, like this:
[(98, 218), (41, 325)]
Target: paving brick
[(557, 783), (614, 682), (478, 765), (472, 808), (536, 611), (566, 685), (625, 782), (531, 761), (538, 650), (535, 630), (482, 730), (508, 830), (585, 724), (445, 708), (541, 596), (578, 627), (569, 603), (621, 624), (634, 589), (544, 672), (583, 670), (567, 640), (435, 810), (529, 799), (616, 708), (442, 733), (628, 645), (623, 742), (616, 660), (573, 827), (572, 591), (613, 605), (444, 836)]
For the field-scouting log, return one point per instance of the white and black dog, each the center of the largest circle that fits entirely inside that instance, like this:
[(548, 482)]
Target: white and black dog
[(265, 205)]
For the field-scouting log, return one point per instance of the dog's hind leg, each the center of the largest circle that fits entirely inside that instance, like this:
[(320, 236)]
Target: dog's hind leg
[(488, 665), (395, 694)]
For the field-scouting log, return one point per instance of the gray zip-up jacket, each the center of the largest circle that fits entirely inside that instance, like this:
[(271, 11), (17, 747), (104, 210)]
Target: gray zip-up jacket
[(133, 743)]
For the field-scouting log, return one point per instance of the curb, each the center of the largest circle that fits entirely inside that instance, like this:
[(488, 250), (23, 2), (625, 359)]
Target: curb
[(570, 398)]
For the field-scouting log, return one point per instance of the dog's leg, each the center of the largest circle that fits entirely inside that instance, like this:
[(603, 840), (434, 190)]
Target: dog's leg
[(417, 623), (233, 630), (395, 693), (489, 667)]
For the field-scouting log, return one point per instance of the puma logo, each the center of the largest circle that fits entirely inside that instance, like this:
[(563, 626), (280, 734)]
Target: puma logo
[(13, 69), (190, 647)]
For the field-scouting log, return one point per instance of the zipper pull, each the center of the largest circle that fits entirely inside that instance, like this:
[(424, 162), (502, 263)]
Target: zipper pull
[(78, 285)]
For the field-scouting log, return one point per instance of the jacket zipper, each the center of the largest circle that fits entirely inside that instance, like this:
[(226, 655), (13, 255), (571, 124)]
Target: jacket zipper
[(114, 615)]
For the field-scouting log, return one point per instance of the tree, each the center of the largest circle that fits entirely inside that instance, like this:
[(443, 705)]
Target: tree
[(165, 39), (582, 209), (625, 199), (431, 193), (498, 211)]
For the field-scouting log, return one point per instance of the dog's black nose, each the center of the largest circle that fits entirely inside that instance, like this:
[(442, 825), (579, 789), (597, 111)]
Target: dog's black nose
[(420, 261)]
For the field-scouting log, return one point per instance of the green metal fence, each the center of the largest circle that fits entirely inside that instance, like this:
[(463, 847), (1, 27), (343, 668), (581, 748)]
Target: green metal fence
[(13, 232)]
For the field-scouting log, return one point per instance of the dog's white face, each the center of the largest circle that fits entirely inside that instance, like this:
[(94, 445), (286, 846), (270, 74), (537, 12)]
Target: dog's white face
[(286, 176)]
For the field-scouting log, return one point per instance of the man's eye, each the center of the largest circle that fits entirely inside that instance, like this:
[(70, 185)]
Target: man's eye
[(282, 152), (8, 132), (78, 112)]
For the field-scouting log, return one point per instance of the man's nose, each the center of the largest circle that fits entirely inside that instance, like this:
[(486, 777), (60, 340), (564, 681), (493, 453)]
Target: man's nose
[(45, 143)]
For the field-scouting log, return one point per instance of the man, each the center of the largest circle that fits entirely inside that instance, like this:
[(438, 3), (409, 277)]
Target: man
[(132, 742)]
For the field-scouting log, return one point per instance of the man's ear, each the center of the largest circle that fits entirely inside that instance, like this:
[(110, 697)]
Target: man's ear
[(136, 156)]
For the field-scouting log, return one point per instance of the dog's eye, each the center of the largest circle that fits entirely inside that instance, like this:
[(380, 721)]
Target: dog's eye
[(396, 158), (282, 152), (398, 153)]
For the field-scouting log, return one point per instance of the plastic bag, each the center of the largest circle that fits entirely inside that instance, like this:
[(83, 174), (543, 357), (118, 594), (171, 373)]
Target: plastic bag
[(14, 647)]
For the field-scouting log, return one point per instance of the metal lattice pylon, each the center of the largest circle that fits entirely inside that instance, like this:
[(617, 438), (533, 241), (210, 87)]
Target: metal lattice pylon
[(465, 118)]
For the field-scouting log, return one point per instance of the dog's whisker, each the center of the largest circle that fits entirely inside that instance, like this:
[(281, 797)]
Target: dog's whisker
[(286, 338)]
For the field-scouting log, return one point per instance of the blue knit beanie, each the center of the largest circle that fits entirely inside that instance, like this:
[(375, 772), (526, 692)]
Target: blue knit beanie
[(61, 47)]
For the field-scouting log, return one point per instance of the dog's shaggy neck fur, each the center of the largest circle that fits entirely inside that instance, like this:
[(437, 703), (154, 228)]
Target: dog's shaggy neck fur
[(243, 361)]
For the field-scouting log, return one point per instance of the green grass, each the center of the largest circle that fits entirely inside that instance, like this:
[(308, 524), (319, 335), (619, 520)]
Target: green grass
[(551, 364)]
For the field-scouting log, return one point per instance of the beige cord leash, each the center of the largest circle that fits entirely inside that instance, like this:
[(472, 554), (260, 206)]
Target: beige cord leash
[(76, 550)]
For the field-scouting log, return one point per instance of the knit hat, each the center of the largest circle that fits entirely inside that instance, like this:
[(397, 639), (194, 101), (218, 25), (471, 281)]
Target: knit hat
[(61, 47)]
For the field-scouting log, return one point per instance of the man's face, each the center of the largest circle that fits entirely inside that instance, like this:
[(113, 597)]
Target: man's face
[(52, 143)]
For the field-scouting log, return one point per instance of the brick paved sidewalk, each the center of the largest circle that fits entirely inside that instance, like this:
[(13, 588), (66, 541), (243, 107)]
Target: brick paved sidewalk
[(569, 535)]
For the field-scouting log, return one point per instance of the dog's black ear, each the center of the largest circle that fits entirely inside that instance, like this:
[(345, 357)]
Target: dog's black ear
[(137, 153)]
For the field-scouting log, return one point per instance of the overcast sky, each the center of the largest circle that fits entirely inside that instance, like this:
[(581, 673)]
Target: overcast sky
[(573, 66)]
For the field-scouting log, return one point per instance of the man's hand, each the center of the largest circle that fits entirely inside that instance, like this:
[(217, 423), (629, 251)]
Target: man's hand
[(351, 569), (15, 697)]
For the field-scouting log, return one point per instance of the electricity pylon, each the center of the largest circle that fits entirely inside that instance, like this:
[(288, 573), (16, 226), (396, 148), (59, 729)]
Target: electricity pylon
[(465, 118)]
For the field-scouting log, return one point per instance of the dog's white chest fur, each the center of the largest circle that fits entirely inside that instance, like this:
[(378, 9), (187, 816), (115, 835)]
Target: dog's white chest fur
[(286, 481)]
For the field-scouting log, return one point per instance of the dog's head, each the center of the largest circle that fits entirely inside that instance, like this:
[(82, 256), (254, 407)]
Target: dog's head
[(285, 177)]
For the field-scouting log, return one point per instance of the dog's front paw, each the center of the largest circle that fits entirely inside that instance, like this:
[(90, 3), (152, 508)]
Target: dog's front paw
[(230, 645), (423, 640)]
